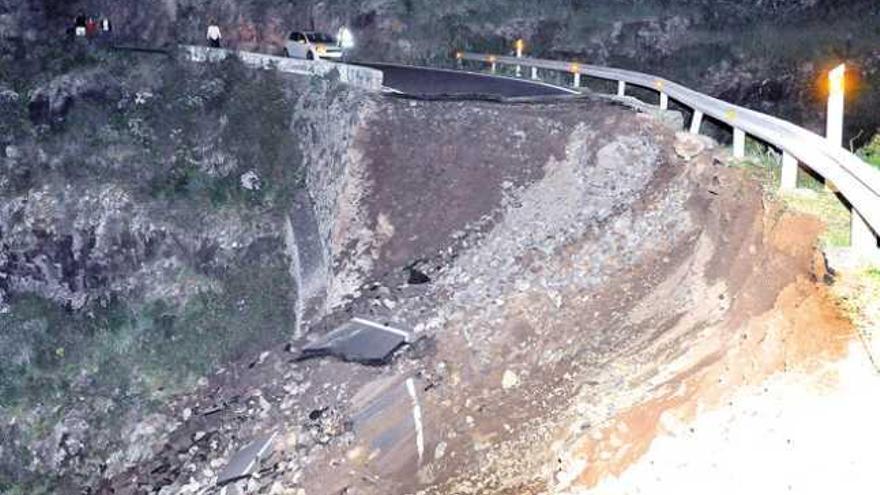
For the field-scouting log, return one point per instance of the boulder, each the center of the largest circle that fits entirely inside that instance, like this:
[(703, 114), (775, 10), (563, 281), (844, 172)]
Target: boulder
[(688, 145), (53, 99)]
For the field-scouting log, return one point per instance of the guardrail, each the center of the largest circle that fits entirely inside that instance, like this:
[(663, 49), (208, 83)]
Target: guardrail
[(363, 77), (857, 181)]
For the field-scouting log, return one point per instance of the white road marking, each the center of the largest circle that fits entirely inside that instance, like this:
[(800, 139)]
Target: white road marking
[(260, 454), (371, 324), (417, 418)]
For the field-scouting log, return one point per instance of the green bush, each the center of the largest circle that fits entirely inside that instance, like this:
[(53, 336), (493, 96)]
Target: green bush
[(871, 151)]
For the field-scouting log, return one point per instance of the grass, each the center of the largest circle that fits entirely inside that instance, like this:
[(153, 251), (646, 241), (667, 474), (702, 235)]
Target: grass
[(870, 153), (811, 197), (828, 207)]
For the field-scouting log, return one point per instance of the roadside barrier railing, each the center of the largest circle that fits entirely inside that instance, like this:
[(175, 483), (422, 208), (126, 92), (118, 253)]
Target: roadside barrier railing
[(363, 77), (857, 182)]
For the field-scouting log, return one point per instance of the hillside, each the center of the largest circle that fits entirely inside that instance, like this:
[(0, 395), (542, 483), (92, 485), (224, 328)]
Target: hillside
[(581, 298)]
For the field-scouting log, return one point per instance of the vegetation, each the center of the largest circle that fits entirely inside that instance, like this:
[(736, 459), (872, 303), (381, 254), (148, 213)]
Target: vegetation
[(812, 197), (117, 348), (177, 137), (871, 151)]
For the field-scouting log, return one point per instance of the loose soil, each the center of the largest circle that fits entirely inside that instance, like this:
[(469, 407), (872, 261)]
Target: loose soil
[(625, 291)]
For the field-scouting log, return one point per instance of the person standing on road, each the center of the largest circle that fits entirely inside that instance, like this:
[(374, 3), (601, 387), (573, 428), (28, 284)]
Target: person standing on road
[(106, 27), (214, 35), (79, 25), (91, 27), (345, 40)]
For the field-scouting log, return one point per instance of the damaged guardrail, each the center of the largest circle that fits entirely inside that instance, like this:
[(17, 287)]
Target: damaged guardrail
[(363, 77), (858, 182)]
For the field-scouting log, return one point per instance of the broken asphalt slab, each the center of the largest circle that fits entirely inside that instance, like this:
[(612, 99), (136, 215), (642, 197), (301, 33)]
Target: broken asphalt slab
[(246, 460), (359, 340)]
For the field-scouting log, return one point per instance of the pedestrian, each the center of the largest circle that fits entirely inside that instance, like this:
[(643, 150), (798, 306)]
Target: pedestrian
[(344, 38), (106, 27), (214, 35), (91, 27), (79, 25)]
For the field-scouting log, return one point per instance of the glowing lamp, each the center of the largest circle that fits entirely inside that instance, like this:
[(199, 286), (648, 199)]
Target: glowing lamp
[(837, 80), (520, 46), (836, 88), (574, 68)]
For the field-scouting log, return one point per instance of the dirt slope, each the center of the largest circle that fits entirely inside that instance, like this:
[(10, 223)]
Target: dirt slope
[(584, 282)]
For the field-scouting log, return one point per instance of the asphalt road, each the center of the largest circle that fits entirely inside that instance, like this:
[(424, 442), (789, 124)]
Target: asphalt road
[(435, 82)]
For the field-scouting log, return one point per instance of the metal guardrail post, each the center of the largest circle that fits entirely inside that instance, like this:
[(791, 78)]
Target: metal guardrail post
[(862, 238), (739, 143), (696, 122), (577, 79), (621, 88), (664, 101), (789, 172), (535, 73)]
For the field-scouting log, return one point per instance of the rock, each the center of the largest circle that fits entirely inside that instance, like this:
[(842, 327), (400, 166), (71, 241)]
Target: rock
[(417, 277), (688, 145), (439, 451), (187, 413), (13, 152), (359, 340), (509, 380), (250, 181), (54, 99)]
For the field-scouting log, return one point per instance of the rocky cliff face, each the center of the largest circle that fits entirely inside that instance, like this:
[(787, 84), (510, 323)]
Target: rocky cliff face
[(144, 206)]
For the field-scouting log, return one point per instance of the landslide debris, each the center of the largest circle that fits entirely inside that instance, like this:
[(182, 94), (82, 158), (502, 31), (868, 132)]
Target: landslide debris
[(574, 259)]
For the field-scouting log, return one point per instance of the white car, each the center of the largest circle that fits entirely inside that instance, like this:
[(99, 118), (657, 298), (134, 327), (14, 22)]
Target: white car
[(312, 45)]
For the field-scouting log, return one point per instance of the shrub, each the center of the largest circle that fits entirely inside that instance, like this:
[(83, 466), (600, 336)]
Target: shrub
[(871, 151)]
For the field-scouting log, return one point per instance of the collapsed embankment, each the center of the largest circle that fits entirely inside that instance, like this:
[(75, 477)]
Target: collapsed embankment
[(580, 276), (578, 300)]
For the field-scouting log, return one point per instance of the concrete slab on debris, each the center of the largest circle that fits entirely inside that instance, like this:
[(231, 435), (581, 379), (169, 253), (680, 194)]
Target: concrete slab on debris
[(387, 422), (246, 460), (359, 340)]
